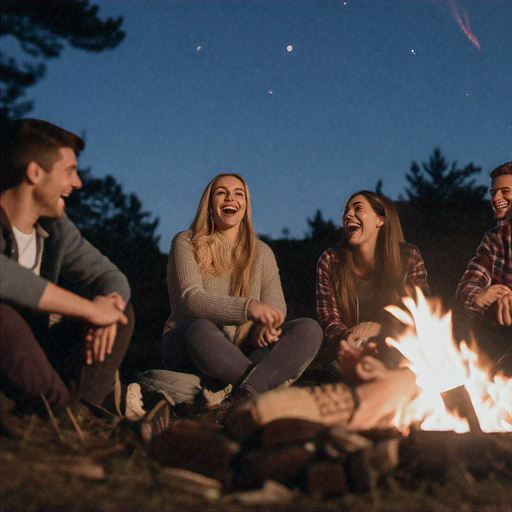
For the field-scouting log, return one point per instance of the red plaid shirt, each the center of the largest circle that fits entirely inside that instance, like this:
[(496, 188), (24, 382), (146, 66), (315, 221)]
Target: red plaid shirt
[(491, 265), (329, 316)]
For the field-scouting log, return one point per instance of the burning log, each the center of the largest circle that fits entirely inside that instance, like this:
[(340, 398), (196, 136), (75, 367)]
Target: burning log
[(424, 452), (458, 402)]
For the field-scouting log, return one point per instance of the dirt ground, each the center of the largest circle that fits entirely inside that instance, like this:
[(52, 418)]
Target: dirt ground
[(107, 468)]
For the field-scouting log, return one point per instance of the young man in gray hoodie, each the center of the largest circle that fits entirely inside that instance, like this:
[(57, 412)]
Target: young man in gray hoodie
[(72, 360)]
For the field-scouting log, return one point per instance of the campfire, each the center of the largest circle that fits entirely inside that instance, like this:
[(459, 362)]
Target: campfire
[(459, 392), (298, 436)]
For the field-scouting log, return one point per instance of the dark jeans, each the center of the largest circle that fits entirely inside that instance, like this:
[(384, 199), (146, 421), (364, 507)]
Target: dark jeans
[(496, 343), (202, 345), (38, 360)]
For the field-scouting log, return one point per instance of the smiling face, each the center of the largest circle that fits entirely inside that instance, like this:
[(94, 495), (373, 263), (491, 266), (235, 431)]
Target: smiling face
[(361, 223), (228, 205), (54, 185), (501, 196)]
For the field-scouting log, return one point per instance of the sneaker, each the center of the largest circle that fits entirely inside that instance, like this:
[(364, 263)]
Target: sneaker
[(214, 398), (134, 409), (155, 421)]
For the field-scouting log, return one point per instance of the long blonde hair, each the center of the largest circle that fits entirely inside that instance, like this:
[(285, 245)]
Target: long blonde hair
[(214, 255), (387, 275)]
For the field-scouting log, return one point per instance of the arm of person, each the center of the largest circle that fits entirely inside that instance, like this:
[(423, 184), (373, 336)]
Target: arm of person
[(102, 312), (501, 310), (187, 294), (474, 291), (263, 336), (416, 272), (83, 264), (380, 398), (329, 316)]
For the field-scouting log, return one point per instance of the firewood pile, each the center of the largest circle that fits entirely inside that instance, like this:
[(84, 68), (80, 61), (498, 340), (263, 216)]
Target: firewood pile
[(203, 458)]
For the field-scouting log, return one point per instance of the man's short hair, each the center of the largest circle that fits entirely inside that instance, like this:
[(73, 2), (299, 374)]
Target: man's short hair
[(501, 170), (32, 140)]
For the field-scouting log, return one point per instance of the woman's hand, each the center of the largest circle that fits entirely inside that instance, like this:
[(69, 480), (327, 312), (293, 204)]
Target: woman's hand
[(355, 347), (263, 336), (261, 313), (363, 331)]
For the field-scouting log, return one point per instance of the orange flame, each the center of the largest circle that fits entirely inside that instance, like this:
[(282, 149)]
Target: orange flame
[(462, 18), (440, 365)]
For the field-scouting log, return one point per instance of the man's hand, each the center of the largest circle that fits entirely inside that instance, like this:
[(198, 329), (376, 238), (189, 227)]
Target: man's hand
[(100, 340), (263, 336), (490, 295), (262, 313), (502, 309)]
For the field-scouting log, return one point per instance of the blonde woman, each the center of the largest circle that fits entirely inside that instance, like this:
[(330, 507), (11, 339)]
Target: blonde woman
[(367, 270), (227, 304)]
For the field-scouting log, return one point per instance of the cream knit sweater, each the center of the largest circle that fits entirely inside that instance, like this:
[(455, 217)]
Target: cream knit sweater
[(193, 295)]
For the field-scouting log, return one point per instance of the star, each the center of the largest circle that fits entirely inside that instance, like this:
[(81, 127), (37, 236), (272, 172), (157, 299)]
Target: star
[(289, 48)]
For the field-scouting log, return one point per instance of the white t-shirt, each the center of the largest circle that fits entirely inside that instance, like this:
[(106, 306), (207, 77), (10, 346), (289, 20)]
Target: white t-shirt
[(28, 254)]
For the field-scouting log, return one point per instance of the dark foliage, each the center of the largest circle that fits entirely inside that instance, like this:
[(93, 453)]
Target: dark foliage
[(297, 264), (41, 29), (445, 216), (114, 222)]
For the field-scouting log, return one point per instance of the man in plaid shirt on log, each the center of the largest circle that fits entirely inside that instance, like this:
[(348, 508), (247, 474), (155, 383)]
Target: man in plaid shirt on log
[(485, 290)]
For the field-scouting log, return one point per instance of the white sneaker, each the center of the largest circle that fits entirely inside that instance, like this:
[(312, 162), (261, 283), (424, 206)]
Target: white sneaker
[(213, 398), (134, 409)]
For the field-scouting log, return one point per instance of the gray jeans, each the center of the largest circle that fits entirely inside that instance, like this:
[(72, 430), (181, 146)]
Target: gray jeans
[(201, 347)]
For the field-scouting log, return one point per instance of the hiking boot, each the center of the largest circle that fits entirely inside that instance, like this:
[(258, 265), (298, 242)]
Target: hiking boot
[(155, 421)]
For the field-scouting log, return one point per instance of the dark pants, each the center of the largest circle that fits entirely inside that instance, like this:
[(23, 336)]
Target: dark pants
[(496, 343), (37, 359), (202, 345)]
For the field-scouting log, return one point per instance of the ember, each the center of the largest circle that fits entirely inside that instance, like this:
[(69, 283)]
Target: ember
[(443, 369)]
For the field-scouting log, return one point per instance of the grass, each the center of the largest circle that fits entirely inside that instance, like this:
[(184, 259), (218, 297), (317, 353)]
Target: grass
[(109, 469)]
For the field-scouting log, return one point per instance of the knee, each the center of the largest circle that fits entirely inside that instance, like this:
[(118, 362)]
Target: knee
[(199, 331), (310, 332)]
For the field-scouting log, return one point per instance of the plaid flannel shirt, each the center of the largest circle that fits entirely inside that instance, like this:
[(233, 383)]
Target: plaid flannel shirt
[(491, 265), (329, 316)]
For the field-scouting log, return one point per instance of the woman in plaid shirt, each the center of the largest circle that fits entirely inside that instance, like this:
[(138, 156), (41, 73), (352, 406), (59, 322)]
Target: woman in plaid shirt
[(366, 271)]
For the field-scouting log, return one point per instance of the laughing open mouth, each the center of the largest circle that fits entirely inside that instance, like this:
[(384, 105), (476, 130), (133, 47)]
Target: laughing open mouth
[(229, 209), (352, 227), (500, 206)]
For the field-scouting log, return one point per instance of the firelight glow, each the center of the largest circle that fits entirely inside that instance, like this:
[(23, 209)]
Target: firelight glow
[(440, 365)]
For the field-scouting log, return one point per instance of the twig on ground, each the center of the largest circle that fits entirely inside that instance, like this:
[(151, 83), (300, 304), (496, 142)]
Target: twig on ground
[(75, 424), (52, 418)]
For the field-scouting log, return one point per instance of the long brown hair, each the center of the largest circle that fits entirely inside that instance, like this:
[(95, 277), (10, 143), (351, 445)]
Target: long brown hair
[(215, 255), (387, 274)]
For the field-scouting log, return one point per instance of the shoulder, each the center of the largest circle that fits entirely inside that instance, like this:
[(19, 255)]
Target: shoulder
[(263, 252), (328, 256), (62, 227), (409, 251), (182, 238)]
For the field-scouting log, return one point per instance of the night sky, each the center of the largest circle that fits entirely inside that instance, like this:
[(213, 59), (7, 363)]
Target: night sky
[(308, 100)]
